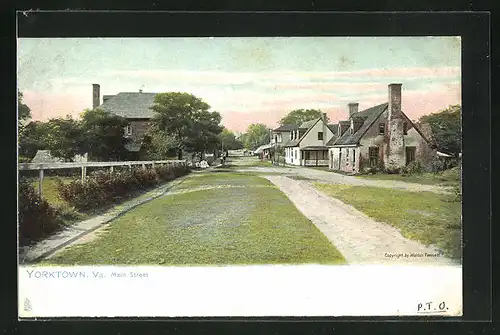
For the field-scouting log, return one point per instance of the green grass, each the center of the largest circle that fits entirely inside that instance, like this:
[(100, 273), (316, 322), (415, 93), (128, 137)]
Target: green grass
[(49, 190), (449, 177), (423, 216), (68, 214), (253, 223)]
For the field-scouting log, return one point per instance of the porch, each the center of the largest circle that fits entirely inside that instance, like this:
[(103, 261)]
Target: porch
[(314, 156)]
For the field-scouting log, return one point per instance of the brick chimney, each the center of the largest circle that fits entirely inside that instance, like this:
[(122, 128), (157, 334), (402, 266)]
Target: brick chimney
[(96, 95), (395, 153), (353, 108)]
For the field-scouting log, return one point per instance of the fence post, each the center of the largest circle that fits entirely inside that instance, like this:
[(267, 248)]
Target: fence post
[(84, 173), (111, 169), (40, 182), (144, 166)]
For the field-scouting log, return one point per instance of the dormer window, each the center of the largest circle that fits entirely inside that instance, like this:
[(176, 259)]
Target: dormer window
[(381, 128)]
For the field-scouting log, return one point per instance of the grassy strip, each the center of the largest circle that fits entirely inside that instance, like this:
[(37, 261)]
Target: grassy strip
[(445, 178), (423, 216), (245, 225)]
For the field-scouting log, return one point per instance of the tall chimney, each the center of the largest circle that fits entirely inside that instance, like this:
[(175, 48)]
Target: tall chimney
[(353, 108), (396, 153), (96, 95), (323, 118)]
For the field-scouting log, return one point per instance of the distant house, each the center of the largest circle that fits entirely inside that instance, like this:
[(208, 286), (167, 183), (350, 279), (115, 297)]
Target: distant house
[(133, 106), (282, 134), (380, 136), (307, 143)]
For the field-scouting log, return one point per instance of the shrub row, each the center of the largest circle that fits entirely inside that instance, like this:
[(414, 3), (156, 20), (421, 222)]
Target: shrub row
[(104, 187), (37, 218)]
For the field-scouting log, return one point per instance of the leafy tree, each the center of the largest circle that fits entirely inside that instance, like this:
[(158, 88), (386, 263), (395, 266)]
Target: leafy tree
[(102, 135), (63, 137), (23, 111), (257, 134), (204, 132), (228, 140), (33, 138), (158, 145), (23, 114), (299, 116), (181, 115), (446, 128)]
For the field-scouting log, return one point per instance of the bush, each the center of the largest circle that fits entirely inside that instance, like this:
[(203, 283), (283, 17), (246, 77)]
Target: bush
[(412, 168), (104, 187), (37, 218)]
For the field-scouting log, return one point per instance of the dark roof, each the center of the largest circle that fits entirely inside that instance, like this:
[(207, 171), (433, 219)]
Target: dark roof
[(286, 127), (131, 105), (333, 127), (308, 124), (371, 114)]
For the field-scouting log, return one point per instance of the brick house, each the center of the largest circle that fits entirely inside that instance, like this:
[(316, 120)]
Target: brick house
[(307, 143), (381, 136), (133, 106)]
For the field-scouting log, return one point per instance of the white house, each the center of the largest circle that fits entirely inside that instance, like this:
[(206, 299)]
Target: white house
[(307, 145)]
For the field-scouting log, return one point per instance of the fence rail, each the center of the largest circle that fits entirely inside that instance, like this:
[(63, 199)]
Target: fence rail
[(84, 165), (75, 165)]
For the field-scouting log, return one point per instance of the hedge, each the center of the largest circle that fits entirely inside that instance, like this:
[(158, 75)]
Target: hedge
[(104, 187), (37, 218)]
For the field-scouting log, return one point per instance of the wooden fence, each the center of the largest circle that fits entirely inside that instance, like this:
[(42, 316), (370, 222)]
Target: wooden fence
[(84, 165)]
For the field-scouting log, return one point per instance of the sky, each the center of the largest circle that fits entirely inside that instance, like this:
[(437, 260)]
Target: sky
[(247, 80)]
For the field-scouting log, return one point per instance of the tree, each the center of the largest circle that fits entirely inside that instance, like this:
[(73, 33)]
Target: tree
[(299, 116), (102, 135), (33, 138), (158, 145), (63, 137), (23, 114), (186, 119), (446, 128), (204, 132), (228, 140), (257, 134)]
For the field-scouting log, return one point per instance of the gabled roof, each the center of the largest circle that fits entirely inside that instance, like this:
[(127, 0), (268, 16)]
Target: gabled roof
[(371, 115), (308, 124), (131, 105), (286, 127)]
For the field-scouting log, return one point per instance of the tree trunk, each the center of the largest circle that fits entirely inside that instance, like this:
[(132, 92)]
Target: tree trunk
[(179, 154)]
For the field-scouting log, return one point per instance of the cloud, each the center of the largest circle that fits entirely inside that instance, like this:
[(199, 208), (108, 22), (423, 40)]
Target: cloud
[(248, 97)]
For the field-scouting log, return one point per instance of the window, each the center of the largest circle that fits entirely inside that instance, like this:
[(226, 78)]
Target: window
[(320, 136), (410, 154), (373, 154), (381, 128), (295, 154), (353, 156), (405, 128), (128, 130)]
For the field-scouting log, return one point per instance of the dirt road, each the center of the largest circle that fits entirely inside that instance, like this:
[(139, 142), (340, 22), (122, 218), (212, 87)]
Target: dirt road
[(359, 238), (337, 178)]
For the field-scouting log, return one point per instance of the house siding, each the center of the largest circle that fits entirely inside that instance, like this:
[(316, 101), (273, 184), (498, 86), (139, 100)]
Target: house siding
[(311, 138)]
